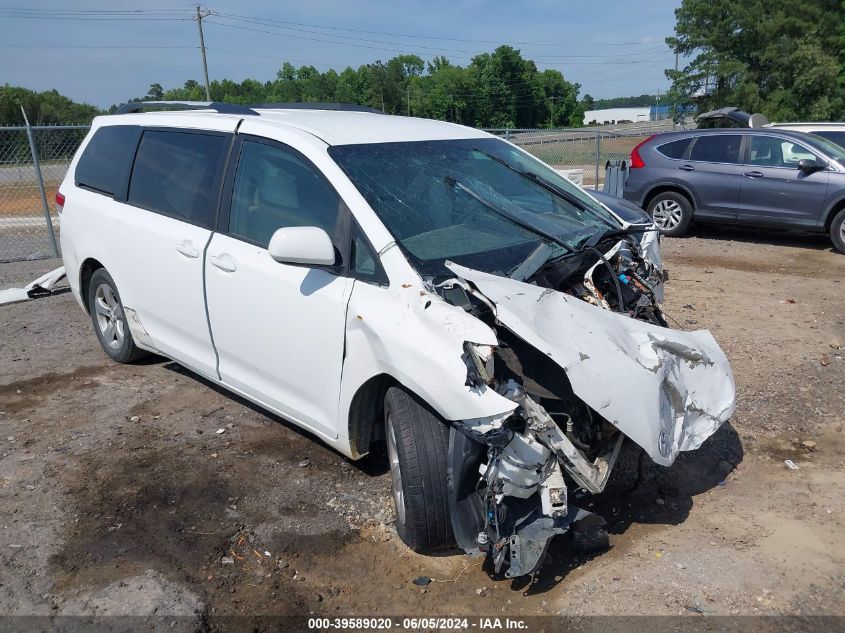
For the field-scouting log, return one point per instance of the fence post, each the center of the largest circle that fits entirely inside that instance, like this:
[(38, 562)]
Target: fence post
[(37, 167), (598, 158)]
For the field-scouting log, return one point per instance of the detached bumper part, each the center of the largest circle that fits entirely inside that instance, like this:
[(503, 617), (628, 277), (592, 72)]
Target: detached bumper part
[(41, 287), (520, 501)]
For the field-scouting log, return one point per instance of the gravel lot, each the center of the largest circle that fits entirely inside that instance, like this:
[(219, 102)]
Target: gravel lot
[(119, 495)]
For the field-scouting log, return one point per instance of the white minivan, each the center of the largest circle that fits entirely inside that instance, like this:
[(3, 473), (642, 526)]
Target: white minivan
[(383, 279)]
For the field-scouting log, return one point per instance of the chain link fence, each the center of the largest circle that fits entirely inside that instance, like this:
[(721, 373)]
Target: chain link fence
[(581, 152), (31, 172), (33, 162)]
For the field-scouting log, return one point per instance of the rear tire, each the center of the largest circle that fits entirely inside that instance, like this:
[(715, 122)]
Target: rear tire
[(837, 231), (109, 319), (671, 212), (417, 446)]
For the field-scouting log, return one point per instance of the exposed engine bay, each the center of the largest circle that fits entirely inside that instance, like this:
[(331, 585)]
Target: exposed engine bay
[(584, 353)]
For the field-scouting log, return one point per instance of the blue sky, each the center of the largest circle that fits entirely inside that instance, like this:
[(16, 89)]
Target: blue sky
[(612, 48)]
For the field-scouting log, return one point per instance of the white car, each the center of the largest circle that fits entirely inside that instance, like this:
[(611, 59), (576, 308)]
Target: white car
[(387, 279), (831, 131)]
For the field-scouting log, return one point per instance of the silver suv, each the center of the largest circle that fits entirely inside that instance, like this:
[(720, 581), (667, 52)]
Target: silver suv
[(763, 177)]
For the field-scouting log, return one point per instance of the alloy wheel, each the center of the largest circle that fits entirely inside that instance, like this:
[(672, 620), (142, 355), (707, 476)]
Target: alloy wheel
[(395, 472), (667, 215), (109, 316)]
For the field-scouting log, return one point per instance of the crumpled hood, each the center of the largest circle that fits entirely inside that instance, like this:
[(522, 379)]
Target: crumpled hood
[(665, 389)]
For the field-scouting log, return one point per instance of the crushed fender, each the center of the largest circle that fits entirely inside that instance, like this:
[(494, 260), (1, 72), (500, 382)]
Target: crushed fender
[(584, 352)]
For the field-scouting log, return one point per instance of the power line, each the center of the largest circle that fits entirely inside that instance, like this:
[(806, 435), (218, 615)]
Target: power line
[(385, 48), (431, 37), (275, 58), (265, 22), (84, 11), (95, 46), (390, 44), (98, 19)]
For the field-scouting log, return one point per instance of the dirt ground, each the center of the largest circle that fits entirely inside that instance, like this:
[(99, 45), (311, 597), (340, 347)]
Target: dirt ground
[(120, 495)]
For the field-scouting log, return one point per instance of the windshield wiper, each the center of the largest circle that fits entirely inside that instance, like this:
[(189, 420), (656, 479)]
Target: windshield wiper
[(528, 226), (548, 186)]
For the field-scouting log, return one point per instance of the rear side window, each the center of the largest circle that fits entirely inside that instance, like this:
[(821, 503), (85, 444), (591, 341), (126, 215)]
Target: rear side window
[(722, 148), (177, 174), (837, 137), (104, 165), (675, 149)]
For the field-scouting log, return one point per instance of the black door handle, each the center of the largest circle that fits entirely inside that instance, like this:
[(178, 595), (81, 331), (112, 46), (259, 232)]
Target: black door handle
[(686, 168), (754, 174)]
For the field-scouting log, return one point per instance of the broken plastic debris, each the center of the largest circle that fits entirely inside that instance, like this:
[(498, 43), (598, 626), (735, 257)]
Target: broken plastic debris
[(219, 431), (697, 608), (790, 464), (422, 581), (39, 288), (304, 463)]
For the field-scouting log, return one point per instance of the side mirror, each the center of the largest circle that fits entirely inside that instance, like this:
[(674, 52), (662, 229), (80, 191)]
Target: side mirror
[(302, 245), (808, 166)]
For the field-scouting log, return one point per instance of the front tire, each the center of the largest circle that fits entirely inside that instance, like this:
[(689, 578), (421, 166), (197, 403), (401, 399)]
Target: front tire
[(109, 319), (417, 446), (671, 212), (837, 231)]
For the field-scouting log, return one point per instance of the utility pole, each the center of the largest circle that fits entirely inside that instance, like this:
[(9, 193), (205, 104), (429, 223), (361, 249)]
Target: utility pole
[(675, 114), (657, 107), (200, 16), (408, 90)]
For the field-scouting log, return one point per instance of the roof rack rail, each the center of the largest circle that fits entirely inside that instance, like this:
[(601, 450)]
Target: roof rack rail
[(217, 106), (305, 105)]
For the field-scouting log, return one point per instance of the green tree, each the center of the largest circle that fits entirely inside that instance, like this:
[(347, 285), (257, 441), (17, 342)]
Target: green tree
[(497, 89), (778, 57), (42, 108), (155, 93)]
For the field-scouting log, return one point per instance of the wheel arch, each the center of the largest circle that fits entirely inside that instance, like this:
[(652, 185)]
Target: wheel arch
[(365, 411), (670, 187), (86, 271), (832, 211)]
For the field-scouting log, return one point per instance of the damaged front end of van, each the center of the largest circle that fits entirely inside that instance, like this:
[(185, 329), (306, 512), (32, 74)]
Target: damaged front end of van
[(586, 359), (528, 317)]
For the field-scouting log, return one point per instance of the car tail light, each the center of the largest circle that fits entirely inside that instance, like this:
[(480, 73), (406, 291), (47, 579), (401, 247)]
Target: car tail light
[(60, 201), (636, 159)]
